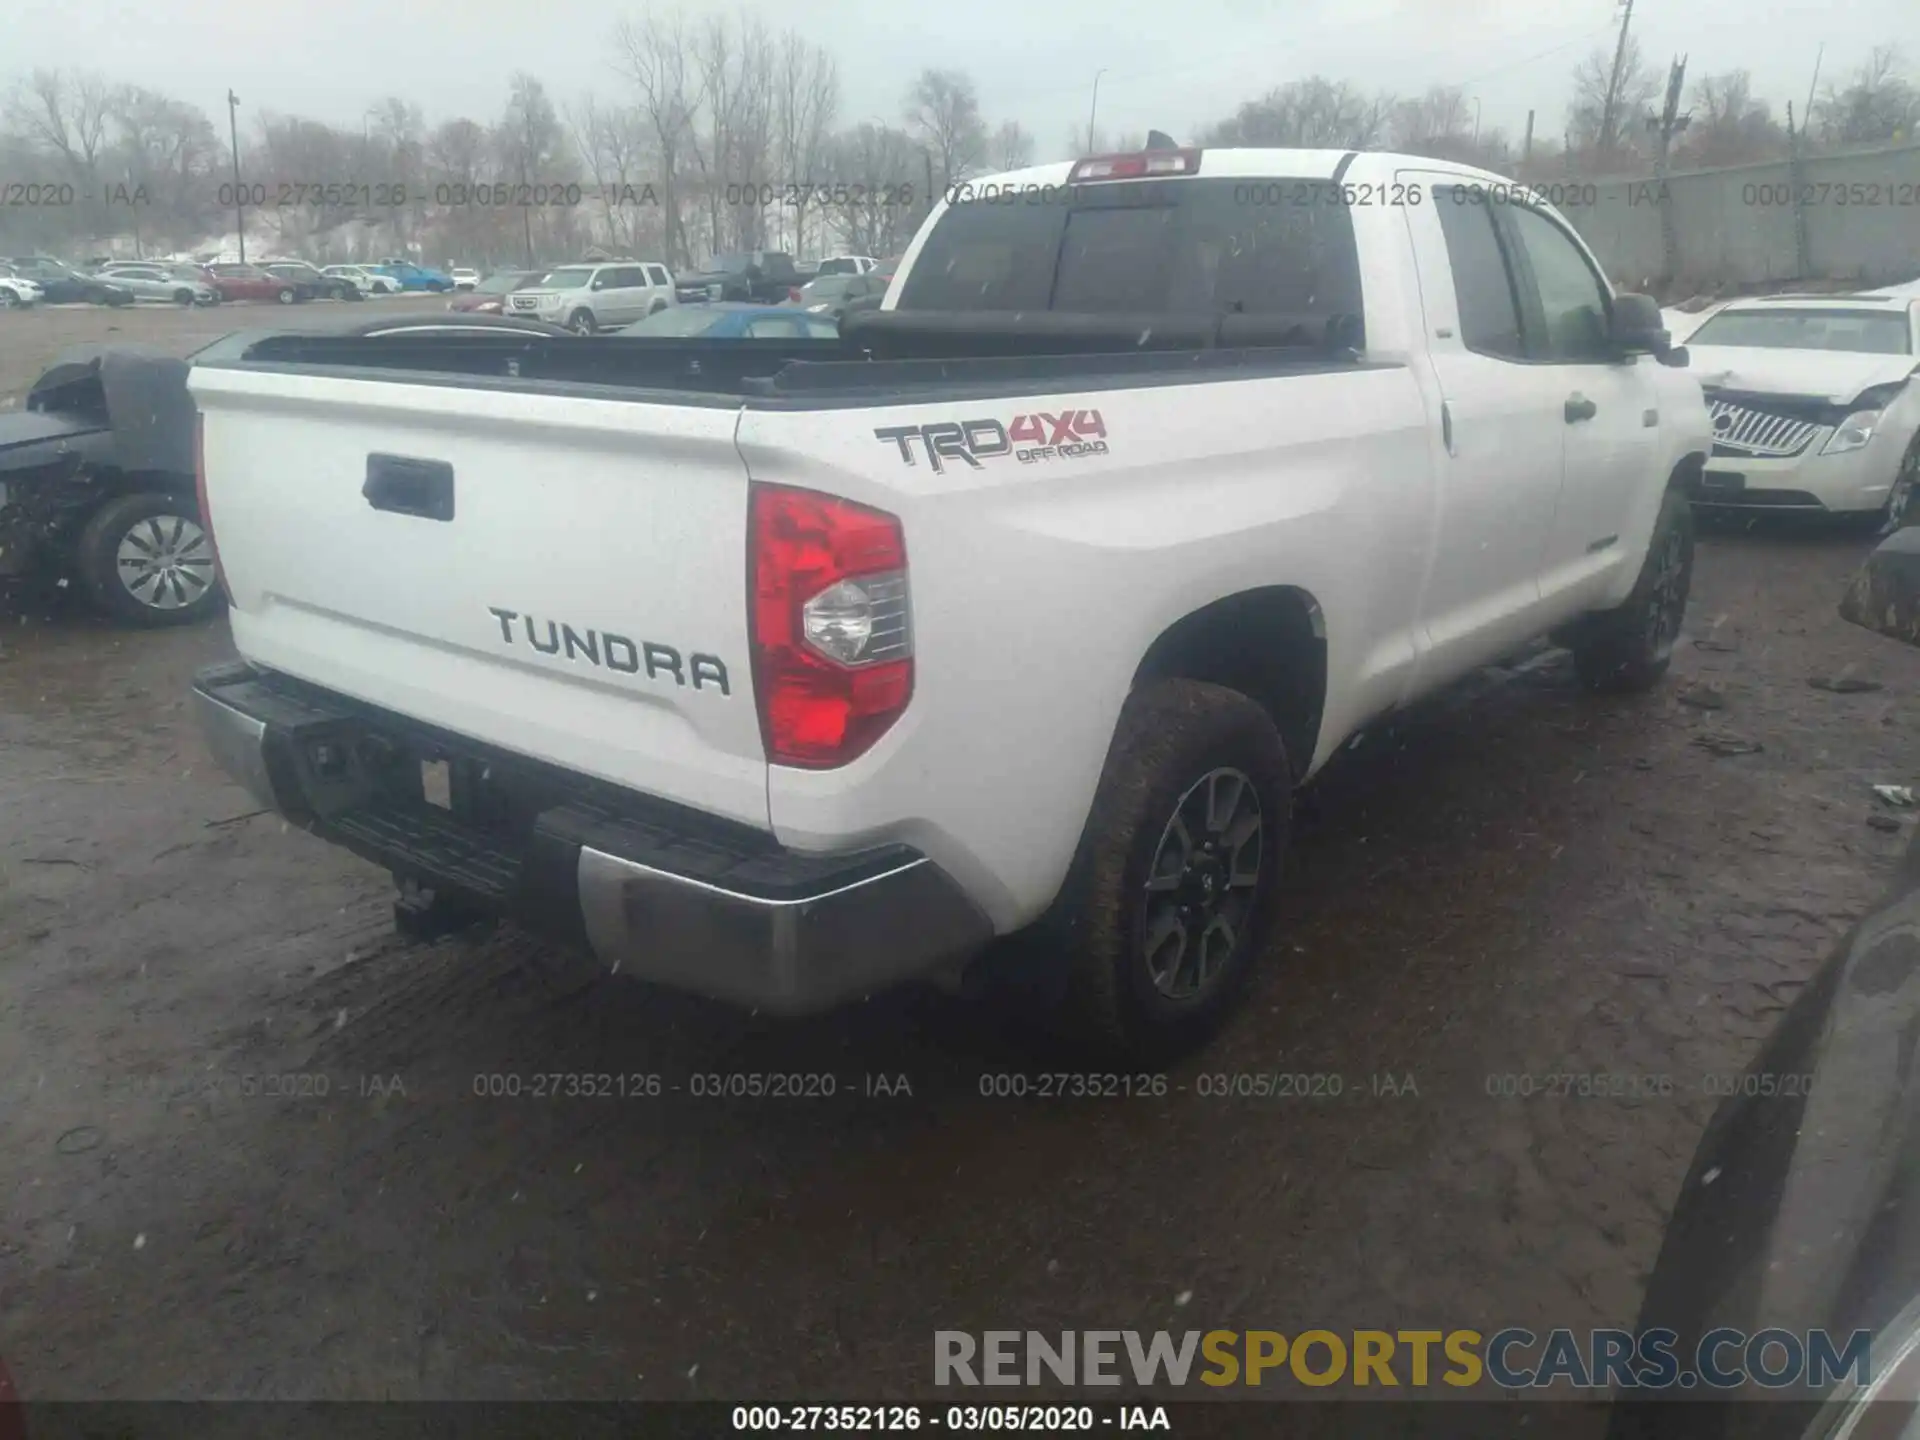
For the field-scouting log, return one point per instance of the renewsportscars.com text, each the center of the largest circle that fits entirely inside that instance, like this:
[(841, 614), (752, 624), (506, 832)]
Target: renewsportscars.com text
[(1514, 1359)]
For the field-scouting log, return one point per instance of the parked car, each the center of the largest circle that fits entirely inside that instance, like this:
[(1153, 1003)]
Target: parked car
[(16, 291), (847, 265), (586, 298), (1813, 402), (763, 275), (831, 295), (177, 284), (489, 296), (321, 285), (251, 282), (1796, 1213), (62, 285), (464, 279), (738, 320), (415, 277), (97, 484), (788, 642), (366, 281)]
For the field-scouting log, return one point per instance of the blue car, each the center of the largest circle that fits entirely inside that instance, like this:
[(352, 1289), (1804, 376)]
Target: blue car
[(731, 320), (414, 277)]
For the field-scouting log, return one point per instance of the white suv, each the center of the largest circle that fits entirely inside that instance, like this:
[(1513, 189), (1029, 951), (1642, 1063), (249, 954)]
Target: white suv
[(586, 298)]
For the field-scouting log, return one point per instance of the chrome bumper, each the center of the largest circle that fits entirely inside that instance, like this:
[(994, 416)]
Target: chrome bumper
[(766, 928)]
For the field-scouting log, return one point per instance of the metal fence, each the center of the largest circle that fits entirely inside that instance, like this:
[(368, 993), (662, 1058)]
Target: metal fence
[(1852, 217)]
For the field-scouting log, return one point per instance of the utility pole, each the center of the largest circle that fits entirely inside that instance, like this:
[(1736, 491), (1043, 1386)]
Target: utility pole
[(1094, 108), (1609, 111), (239, 195), (1802, 241), (1670, 123), (1526, 148)]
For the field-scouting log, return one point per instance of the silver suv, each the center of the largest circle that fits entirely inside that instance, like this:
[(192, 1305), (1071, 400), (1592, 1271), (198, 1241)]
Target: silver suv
[(605, 296)]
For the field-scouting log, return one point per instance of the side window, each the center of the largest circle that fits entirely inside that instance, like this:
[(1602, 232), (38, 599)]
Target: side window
[(657, 275), (1572, 320), (1489, 316), (773, 328), (631, 277)]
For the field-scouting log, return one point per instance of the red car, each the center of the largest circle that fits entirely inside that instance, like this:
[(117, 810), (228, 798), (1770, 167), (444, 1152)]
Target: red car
[(250, 282)]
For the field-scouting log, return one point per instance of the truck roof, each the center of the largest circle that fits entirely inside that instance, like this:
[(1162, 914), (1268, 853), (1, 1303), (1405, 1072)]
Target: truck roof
[(1229, 162)]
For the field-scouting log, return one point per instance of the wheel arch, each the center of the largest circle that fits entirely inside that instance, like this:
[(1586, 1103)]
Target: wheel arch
[(1269, 643)]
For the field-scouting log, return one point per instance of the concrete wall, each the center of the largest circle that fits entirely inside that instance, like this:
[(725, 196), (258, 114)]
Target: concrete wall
[(1738, 224)]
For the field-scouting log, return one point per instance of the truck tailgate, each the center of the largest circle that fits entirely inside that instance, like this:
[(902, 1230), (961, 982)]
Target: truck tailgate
[(560, 576)]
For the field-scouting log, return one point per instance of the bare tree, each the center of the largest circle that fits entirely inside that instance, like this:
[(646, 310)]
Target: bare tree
[(1876, 105), (613, 141), (1082, 142), (539, 162), (1727, 125), (1604, 135), (1011, 147), (654, 58), (806, 103), (882, 169), (1311, 112), (943, 112), (167, 158)]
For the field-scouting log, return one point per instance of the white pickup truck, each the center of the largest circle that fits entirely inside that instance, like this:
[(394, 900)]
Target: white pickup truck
[(784, 671)]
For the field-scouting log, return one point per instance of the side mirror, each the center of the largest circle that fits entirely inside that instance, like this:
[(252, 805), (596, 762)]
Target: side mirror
[(1639, 328)]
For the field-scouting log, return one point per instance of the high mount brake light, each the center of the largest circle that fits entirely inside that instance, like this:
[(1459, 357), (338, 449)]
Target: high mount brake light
[(832, 634), (1145, 165)]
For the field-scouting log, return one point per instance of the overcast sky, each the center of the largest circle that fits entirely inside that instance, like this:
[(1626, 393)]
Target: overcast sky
[(1173, 66)]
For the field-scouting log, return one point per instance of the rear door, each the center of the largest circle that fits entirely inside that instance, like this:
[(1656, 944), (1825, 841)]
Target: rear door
[(1501, 431), (1610, 407), (561, 576)]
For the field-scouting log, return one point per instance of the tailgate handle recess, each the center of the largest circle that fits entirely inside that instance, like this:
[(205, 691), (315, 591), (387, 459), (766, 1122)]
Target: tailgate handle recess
[(406, 486)]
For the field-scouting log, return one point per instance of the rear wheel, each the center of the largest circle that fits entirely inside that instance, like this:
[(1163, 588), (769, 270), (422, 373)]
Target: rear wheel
[(1629, 648), (146, 559), (1174, 888), (581, 322), (183, 298), (285, 295)]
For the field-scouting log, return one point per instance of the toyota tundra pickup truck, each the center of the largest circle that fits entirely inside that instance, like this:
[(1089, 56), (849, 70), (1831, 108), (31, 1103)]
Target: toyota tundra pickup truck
[(784, 671)]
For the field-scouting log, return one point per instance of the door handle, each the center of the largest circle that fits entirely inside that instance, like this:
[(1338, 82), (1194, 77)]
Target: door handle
[(1446, 427), (1579, 408), (406, 486)]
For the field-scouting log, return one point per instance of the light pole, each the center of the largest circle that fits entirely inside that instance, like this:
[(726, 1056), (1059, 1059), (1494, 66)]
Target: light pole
[(1093, 109), (239, 196), (1476, 122)]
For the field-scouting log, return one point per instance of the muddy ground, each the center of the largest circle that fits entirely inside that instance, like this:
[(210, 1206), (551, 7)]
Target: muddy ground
[(1518, 880)]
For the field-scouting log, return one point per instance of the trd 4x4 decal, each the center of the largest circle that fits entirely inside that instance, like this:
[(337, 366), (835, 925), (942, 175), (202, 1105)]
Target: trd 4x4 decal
[(1068, 435)]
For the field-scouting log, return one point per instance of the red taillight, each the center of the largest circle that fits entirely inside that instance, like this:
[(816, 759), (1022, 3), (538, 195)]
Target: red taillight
[(832, 636), (1144, 166), (200, 499), (793, 292)]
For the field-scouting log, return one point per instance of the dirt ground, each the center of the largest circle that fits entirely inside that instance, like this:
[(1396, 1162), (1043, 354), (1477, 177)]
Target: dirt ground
[(1520, 880)]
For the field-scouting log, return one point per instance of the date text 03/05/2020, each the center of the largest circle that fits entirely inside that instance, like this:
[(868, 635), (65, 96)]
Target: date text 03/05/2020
[(993, 1419)]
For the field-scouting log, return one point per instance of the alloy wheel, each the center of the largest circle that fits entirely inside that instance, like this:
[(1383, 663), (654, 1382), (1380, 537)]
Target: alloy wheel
[(1202, 884), (165, 562)]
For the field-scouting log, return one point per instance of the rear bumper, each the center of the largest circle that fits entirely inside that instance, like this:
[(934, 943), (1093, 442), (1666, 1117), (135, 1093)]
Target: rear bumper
[(654, 890)]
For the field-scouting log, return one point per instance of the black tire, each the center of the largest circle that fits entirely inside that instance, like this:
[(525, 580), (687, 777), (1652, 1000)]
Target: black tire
[(1628, 648), (349, 292), (285, 295), (99, 556), (656, 308), (581, 322), (183, 298), (1179, 742), (1900, 510)]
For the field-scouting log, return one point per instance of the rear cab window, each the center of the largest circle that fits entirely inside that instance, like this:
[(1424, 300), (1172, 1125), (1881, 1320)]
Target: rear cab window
[(1186, 246)]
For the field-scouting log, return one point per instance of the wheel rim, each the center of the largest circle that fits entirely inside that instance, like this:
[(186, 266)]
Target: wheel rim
[(1667, 598), (165, 562), (1202, 884), (583, 324)]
